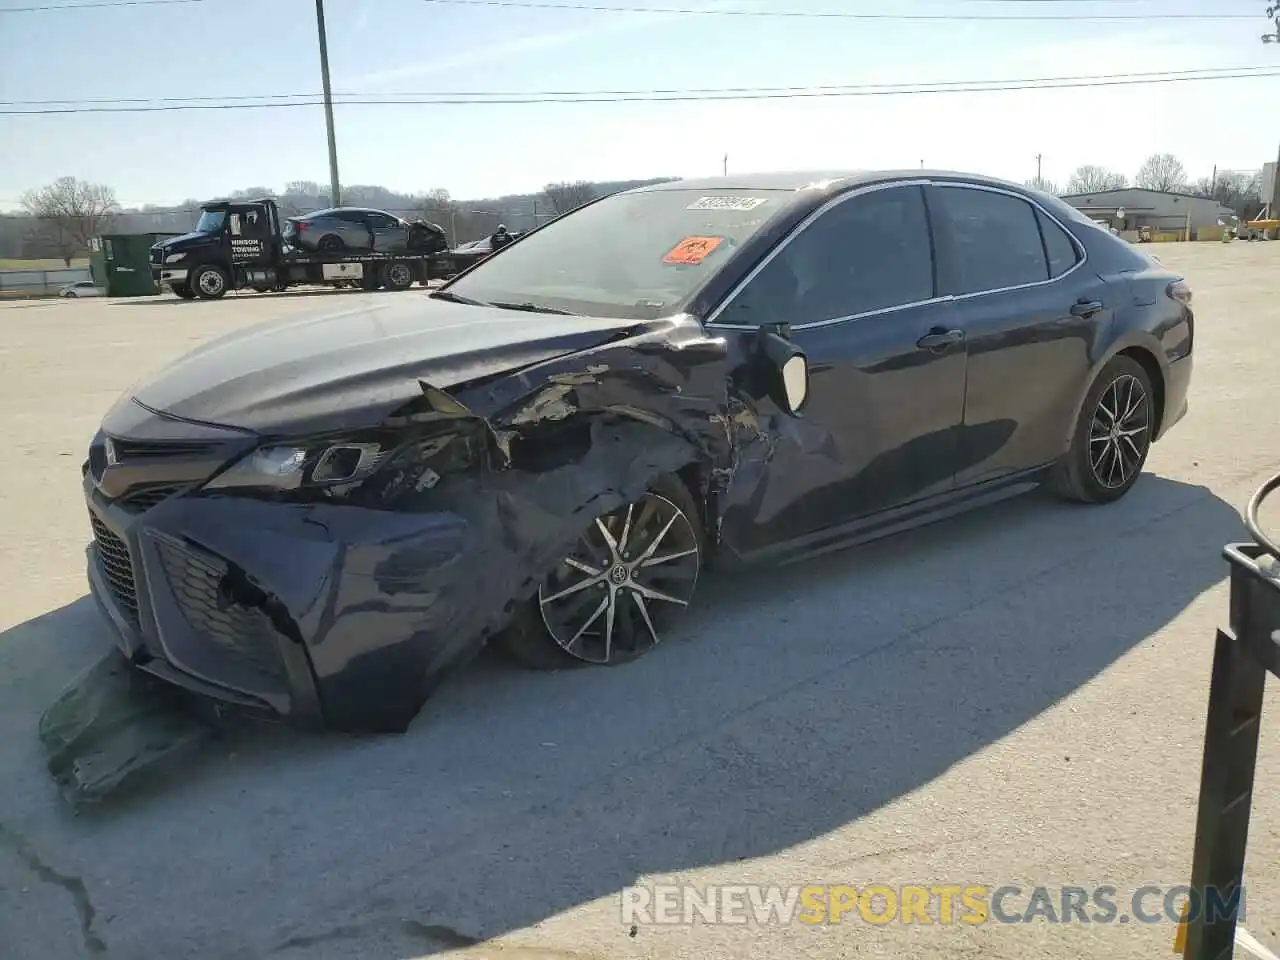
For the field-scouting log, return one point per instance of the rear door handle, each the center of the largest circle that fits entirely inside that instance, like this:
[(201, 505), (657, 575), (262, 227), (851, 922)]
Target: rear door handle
[(938, 339), (1086, 308)]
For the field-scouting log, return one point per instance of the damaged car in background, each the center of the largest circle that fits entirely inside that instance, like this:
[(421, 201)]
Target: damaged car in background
[(317, 519)]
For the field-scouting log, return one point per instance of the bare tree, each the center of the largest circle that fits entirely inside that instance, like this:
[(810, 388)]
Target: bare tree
[(1043, 185), (1162, 171), (1239, 190), (1090, 178), (76, 209), (568, 196)]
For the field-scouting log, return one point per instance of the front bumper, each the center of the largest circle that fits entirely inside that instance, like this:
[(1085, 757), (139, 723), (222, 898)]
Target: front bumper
[(320, 616), (169, 275)]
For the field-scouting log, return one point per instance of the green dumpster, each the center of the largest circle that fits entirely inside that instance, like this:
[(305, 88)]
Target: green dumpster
[(120, 262)]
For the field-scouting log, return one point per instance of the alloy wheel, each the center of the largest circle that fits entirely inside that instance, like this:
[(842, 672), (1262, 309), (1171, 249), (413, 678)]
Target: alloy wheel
[(1120, 432), (398, 275), (616, 594)]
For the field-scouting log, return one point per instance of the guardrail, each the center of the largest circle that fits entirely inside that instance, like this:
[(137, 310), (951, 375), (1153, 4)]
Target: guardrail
[(41, 281)]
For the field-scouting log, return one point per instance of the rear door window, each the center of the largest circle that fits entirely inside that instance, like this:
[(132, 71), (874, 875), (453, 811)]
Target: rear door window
[(995, 238)]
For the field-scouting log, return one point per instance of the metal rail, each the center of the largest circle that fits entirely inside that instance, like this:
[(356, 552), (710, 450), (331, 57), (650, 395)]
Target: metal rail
[(1243, 656)]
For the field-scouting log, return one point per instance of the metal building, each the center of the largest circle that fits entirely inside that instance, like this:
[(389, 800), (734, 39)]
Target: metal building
[(1133, 208)]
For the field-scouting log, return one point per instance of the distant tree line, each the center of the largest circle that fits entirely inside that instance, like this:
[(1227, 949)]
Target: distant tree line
[(1239, 190), (58, 220)]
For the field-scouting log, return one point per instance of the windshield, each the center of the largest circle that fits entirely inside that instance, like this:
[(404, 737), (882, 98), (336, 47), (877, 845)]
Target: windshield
[(211, 221), (631, 256)]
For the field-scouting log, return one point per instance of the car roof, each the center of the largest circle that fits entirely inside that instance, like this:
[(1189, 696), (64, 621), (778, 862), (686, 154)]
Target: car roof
[(820, 181)]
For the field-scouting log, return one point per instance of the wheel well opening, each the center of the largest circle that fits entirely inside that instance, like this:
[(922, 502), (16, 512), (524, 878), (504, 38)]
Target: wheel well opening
[(1152, 367), (694, 477)]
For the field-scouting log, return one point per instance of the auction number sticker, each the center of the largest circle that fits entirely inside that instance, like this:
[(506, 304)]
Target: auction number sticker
[(727, 203), (692, 250)]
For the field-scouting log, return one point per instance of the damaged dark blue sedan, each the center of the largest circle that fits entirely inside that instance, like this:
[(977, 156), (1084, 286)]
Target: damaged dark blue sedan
[(317, 519)]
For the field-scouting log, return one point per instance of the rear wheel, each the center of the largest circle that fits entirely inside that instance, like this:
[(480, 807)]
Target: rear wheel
[(397, 276), (330, 243), (1112, 438), (621, 589), (209, 282)]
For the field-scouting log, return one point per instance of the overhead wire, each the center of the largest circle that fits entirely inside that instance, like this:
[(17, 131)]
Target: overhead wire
[(726, 94)]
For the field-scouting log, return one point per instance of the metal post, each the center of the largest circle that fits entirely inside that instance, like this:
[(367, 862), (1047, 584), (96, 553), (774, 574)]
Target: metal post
[(726, 164), (1039, 157), (335, 189)]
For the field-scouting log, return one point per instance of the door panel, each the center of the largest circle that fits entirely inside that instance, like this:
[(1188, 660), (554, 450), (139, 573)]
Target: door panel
[(1016, 276), (388, 233), (883, 421)]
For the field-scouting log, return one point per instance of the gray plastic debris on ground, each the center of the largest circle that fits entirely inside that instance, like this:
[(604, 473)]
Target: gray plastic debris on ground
[(112, 726)]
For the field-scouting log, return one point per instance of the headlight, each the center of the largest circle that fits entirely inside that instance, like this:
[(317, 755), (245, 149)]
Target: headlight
[(291, 468), (174, 257)]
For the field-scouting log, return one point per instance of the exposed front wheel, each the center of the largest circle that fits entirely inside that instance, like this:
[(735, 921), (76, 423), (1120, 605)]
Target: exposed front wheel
[(209, 282), (621, 589), (1113, 436)]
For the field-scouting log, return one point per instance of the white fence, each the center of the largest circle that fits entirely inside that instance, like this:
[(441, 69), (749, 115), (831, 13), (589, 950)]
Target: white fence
[(41, 281)]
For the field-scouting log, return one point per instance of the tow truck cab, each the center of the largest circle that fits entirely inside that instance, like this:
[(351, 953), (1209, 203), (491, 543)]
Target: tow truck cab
[(234, 244)]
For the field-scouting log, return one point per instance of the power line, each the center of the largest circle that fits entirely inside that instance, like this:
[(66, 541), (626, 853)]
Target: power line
[(693, 11), (679, 97), (1206, 73), (842, 14), (95, 4)]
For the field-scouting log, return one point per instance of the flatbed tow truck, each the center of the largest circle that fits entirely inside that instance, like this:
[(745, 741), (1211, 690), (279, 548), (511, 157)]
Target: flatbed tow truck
[(241, 244)]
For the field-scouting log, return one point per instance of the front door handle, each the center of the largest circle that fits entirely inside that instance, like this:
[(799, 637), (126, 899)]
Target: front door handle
[(1086, 308), (938, 339)]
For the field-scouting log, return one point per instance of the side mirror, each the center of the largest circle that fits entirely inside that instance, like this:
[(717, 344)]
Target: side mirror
[(784, 368)]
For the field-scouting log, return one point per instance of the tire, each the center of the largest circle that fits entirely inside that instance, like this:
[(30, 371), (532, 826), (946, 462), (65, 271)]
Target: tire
[(183, 290), (72, 295), (556, 630), (209, 282), (397, 276), (330, 243), (261, 288), (1106, 458)]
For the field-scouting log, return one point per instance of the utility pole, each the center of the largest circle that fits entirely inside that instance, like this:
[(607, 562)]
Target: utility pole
[(1039, 179), (1213, 180), (335, 189), (726, 164)]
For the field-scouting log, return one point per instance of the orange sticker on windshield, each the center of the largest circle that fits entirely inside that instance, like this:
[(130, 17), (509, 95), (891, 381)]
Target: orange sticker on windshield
[(692, 250)]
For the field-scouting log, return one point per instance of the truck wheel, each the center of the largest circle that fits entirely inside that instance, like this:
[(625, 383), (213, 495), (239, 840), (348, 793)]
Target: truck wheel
[(370, 281), (397, 276), (183, 290), (209, 282), (330, 243)]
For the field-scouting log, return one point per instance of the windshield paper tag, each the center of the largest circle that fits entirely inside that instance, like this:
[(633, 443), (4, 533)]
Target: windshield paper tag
[(727, 203), (692, 250)]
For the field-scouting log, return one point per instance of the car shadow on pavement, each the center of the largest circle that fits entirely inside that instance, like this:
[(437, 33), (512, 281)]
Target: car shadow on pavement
[(797, 701)]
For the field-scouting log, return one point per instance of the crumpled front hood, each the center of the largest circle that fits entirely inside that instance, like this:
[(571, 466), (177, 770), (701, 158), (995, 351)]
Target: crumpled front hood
[(335, 371)]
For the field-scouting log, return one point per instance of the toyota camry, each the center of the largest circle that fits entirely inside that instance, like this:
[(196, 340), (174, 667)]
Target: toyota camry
[(318, 519)]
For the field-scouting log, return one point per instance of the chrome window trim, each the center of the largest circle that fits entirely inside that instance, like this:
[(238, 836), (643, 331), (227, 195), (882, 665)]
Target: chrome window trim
[(1081, 253)]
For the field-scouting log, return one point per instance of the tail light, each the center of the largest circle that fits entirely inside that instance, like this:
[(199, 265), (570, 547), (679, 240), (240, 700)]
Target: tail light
[(1180, 290), (301, 227)]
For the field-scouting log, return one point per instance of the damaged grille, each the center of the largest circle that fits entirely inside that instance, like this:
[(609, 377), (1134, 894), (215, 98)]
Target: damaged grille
[(117, 567), (243, 634), (144, 499)]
